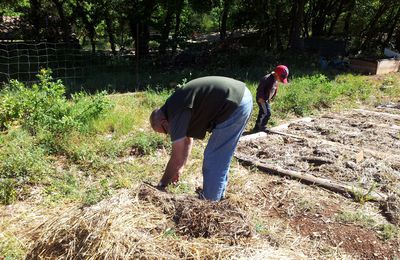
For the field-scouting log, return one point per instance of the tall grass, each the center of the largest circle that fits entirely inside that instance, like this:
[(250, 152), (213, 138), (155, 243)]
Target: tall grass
[(308, 94)]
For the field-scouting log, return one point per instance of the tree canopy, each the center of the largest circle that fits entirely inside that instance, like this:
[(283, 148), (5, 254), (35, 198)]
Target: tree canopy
[(365, 25)]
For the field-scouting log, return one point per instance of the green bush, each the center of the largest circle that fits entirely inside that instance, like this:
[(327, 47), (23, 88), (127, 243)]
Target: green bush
[(24, 105), (44, 107)]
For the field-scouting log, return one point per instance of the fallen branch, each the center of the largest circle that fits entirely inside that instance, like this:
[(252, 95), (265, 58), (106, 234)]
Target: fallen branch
[(335, 186)]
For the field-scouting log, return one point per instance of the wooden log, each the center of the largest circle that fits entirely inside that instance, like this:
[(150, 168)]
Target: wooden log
[(332, 185)]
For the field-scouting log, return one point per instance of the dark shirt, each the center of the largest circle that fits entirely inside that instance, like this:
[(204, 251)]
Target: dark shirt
[(267, 87), (202, 104)]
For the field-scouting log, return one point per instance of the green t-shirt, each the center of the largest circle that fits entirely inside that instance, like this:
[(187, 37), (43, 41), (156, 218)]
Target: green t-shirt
[(210, 101)]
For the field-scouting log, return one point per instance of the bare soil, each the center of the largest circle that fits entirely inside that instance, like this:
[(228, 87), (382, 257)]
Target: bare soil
[(355, 240)]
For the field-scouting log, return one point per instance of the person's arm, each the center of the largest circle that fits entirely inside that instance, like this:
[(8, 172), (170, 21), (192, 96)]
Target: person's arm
[(275, 91), (180, 153), (261, 91)]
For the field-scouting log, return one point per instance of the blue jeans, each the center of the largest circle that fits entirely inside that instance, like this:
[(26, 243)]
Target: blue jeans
[(264, 113), (220, 149)]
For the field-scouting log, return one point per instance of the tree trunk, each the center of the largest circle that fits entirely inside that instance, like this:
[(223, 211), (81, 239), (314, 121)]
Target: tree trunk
[(224, 19), (110, 32), (336, 17), (179, 8), (167, 28), (278, 32), (93, 43), (322, 11), (64, 23), (392, 26), (35, 17), (297, 14), (89, 25), (371, 29), (139, 18), (347, 20)]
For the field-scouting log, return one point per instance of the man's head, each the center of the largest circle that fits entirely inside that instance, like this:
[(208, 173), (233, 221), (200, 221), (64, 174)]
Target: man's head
[(159, 121), (282, 72)]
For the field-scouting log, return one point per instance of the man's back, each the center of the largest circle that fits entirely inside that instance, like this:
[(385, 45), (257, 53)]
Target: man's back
[(211, 100)]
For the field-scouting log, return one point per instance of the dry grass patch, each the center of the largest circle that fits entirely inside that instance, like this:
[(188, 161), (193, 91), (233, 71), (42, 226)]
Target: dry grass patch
[(146, 224)]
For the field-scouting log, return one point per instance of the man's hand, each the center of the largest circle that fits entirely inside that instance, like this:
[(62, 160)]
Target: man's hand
[(180, 152), (159, 186), (261, 100)]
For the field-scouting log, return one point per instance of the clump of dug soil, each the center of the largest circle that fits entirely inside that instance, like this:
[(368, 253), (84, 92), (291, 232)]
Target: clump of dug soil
[(391, 209), (199, 218)]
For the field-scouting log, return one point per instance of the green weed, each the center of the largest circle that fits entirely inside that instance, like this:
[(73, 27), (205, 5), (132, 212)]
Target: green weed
[(388, 231), (170, 232), (261, 229), (146, 143), (8, 193), (97, 193), (179, 188), (356, 217), (10, 247), (65, 187), (22, 159), (361, 196)]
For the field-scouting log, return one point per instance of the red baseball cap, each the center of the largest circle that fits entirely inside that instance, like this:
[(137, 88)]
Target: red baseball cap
[(283, 72)]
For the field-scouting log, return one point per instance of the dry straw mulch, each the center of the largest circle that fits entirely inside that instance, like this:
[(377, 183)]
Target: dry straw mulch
[(146, 223)]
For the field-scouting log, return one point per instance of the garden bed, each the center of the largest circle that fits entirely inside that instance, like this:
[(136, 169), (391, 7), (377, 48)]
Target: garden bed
[(359, 148)]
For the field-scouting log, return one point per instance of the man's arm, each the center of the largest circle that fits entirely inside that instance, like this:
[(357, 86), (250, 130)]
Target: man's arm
[(180, 153)]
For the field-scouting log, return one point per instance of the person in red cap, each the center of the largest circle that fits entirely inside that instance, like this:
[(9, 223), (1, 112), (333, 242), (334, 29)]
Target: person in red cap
[(266, 91)]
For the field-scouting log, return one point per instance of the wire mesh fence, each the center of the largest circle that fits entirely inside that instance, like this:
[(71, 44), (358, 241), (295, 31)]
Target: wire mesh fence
[(77, 68)]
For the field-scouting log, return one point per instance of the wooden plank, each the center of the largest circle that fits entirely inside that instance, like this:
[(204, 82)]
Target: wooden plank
[(252, 136), (387, 66), (363, 66), (286, 125), (394, 116), (276, 128), (338, 117), (353, 148), (332, 185)]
